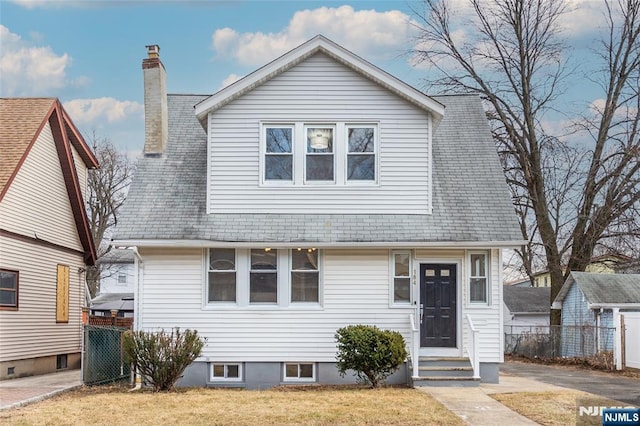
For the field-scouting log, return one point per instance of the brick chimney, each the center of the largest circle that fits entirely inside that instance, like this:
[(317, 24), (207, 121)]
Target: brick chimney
[(156, 123)]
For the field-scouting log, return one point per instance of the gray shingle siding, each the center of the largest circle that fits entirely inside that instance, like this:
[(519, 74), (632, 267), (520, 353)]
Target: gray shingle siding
[(471, 202)]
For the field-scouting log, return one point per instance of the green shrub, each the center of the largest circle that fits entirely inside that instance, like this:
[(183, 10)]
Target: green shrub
[(372, 353), (162, 357)]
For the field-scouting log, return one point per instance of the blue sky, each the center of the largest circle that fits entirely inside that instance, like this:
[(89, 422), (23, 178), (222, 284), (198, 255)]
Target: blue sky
[(89, 53)]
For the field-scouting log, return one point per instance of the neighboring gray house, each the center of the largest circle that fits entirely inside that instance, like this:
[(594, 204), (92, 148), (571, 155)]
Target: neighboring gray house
[(318, 192), (526, 309), (589, 302)]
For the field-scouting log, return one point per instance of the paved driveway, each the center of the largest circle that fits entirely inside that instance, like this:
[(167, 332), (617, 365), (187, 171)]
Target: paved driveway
[(609, 385)]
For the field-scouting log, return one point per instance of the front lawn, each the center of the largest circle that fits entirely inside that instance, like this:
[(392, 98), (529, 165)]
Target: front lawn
[(321, 406), (556, 408)]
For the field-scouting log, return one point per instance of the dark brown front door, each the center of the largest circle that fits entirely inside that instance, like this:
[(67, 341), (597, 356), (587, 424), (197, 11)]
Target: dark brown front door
[(438, 305)]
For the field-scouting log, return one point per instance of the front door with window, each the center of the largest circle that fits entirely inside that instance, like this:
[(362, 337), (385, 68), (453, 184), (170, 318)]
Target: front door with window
[(438, 305)]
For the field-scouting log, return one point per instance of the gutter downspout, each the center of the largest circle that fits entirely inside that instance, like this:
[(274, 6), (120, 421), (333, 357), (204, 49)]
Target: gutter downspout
[(137, 296)]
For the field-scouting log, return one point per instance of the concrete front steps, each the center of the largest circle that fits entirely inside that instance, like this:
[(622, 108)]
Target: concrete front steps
[(445, 372)]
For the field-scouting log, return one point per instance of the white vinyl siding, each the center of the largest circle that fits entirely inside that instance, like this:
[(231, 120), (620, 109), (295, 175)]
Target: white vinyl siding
[(339, 95), (31, 331), (355, 290), (487, 317), (37, 203), (355, 287)]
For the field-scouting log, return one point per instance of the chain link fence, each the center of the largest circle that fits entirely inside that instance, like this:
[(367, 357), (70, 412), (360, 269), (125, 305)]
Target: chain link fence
[(562, 341), (103, 358)]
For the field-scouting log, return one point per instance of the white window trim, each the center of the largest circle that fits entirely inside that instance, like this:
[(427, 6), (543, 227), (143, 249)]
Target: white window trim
[(243, 270), (334, 153), (376, 143), (207, 269), (277, 271), (412, 280), (487, 259), (263, 153), (299, 153), (290, 281), (299, 379), (225, 379)]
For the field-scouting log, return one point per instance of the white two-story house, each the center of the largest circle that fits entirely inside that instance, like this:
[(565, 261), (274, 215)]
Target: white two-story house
[(317, 192)]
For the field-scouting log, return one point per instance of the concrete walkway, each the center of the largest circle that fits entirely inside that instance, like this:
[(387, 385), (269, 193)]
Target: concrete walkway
[(476, 407), (18, 392)]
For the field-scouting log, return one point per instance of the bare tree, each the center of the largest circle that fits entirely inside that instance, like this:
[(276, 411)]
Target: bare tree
[(568, 198), (107, 187)]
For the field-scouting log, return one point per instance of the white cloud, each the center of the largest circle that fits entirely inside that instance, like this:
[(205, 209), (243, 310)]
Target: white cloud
[(231, 78), (95, 111), (29, 70), (582, 17), (367, 32)]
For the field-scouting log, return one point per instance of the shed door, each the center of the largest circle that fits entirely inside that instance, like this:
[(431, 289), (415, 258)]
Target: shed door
[(438, 305)]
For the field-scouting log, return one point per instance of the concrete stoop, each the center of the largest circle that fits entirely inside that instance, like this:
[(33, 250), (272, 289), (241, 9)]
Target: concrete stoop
[(435, 371)]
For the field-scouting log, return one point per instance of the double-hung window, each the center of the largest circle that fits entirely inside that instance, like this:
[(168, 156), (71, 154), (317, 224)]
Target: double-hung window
[(478, 278), (222, 275), (304, 275), (278, 158), (8, 289), (401, 277), (319, 162), (263, 276), (361, 153)]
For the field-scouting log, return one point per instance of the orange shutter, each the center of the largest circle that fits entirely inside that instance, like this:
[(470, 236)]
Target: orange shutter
[(62, 294)]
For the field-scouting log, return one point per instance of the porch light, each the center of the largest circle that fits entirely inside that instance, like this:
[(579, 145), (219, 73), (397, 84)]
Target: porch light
[(267, 249), (320, 138)]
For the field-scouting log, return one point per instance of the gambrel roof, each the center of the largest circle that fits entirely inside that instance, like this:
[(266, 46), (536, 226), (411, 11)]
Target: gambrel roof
[(166, 204), (21, 121)]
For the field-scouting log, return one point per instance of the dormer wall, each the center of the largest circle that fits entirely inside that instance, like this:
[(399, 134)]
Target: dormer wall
[(260, 159)]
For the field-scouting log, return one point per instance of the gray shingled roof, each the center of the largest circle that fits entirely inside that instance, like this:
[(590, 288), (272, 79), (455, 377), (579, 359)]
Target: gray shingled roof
[(603, 288), (112, 301), (471, 202), (532, 300)]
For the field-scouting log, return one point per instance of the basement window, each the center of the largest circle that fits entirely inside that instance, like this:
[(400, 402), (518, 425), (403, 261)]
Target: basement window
[(222, 372), (61, 362), (299, 372)]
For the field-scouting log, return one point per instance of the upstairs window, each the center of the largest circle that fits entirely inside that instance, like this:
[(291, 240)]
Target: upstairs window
[(222, 275), (263, 276), (319, 163), (278, 159), (361, 153), (8, 289)]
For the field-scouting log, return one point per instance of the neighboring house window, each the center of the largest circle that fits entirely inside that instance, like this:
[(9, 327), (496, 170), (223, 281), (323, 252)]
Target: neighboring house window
[(226, 372), (222, 275), (8, 289), (402, 277), (297, 372), (263, 276), (305, 281), (62, 294), (122, 278), (361, 153), (478, 278), (319, 163), (278, 158)]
